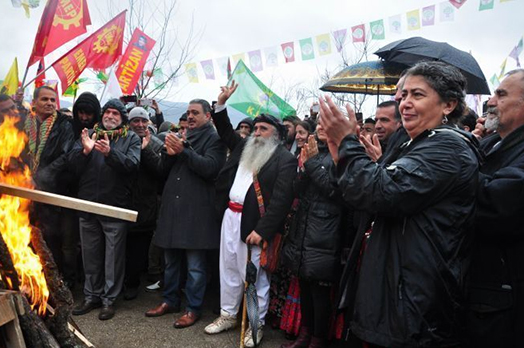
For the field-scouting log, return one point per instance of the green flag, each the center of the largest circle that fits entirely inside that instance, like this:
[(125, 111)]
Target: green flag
[(253, 98), (377, 30), (306, 46), (71, 91), (486, 5)]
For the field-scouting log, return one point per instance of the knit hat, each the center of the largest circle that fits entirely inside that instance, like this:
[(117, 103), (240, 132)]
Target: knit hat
[(272, 120), (117, 105), (248, 121), (138, 112)]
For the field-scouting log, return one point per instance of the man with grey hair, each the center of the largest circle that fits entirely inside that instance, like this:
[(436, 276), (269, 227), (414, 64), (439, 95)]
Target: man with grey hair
[(496, 299), (257, 180)]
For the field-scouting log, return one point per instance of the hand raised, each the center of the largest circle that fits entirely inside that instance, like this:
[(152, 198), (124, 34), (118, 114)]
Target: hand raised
[(372, 146), (87, 142), (103, 146), (226, 92), (146, 139)]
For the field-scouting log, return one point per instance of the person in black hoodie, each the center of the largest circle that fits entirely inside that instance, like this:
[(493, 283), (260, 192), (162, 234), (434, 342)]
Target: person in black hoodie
[(106, 160), (86, 113)]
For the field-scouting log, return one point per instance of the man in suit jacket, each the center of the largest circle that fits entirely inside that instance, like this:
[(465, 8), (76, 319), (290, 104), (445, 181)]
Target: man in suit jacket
[(263, 154)]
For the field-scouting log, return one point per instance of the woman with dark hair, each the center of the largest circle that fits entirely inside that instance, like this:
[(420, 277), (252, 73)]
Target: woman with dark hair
[(284, 305), (312, 249), (302, 132), (405, 288)]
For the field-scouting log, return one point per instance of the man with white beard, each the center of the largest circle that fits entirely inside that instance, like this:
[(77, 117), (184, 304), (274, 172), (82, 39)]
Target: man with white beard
[(496, 299), (261, 155)]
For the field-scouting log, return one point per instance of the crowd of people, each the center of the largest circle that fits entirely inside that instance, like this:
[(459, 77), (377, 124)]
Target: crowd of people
[(398, 230)]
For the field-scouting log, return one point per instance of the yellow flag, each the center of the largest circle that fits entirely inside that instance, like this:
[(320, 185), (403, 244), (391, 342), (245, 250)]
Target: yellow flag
[(413, 19), (238, 57), (10, 84), (324, 44), (503, 69), (192, 72)]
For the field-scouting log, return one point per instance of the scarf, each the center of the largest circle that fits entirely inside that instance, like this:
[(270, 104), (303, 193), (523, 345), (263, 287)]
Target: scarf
[(197, 137), (38, 137), (117, 133)]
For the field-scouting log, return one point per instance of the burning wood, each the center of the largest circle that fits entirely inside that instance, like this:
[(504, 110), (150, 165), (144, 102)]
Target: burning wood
[(26, 264)]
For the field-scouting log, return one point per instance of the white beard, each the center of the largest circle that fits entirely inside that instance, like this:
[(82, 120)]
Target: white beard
[(257, 152), (492, 120)]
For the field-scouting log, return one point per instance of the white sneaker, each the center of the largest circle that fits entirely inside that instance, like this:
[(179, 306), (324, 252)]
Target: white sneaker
[(224, 322), (248, 339), (154, 287)]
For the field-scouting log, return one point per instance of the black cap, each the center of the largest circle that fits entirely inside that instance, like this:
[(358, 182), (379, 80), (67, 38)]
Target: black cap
[(276, 122)]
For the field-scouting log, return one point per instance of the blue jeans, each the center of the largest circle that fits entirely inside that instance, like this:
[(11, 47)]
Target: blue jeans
[(196, 278)]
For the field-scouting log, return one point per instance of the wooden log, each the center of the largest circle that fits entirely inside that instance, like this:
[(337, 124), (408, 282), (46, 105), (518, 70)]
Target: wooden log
[(7, 269), (59, 295), (69, 202)]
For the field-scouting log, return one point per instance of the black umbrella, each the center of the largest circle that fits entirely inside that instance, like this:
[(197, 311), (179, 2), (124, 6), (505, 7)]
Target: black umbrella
[(250, 300), (413, 50)]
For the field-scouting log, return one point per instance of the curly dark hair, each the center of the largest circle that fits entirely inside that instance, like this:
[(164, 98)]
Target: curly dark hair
[(446, 80)]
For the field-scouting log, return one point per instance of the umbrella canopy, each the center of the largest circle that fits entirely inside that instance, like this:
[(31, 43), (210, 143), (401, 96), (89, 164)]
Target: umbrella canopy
[(413, 50), (251, 297), (377, 78)]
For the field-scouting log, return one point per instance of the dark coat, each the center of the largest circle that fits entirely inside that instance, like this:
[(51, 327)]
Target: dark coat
[(411, 286), (187, 216), (108, 180), (312, 248), (275, 178), (145, 192), (497, 274), (51, 175)]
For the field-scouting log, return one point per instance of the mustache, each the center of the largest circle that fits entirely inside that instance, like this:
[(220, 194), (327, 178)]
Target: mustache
[(492, 110)]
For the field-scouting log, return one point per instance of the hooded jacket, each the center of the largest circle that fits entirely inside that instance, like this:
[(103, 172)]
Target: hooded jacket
[(410, 288), (88, 102)]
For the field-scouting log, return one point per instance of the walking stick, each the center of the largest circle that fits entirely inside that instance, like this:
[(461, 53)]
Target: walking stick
[(244, 307)]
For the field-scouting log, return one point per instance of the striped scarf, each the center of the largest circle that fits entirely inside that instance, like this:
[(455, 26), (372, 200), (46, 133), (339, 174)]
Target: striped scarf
[(117, 133), (38, 138)]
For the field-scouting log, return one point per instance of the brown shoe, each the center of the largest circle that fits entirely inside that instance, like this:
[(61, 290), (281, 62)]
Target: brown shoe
[(162, 309), (188, 319)]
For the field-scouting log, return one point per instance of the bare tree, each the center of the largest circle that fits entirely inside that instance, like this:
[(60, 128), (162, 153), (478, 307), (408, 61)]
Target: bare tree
[(171, 51)]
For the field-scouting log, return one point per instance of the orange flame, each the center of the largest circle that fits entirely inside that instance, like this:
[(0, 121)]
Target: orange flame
[(14, 217)]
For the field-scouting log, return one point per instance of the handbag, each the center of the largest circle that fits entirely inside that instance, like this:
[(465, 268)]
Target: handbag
[(270, 250)]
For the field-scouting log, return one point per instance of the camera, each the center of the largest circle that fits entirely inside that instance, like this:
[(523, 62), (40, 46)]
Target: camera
[(146, 102)]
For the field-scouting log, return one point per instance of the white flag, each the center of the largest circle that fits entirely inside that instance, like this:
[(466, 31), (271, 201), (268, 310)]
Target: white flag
[(447, 12), (112, 89), (395, 24), (271, 56)]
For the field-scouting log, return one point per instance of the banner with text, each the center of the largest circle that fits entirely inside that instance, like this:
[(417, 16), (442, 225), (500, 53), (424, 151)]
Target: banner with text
[(133, 61)]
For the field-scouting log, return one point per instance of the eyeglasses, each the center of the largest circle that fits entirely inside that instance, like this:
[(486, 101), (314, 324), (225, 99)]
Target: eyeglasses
[(6, 110)]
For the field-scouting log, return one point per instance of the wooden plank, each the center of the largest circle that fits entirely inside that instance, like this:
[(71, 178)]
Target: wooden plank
[(6, 313), (9, 321), (69, 202)]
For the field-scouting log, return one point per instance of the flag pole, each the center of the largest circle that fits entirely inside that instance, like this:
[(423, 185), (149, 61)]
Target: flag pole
[(37, 75), (105, 85)]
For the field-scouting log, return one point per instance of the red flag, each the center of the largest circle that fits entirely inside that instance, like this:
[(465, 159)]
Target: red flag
[(62, 21), (228, 68), (457, 3), (132, 63), (99, 51), (358, 32), (40, 74), (288, 49)]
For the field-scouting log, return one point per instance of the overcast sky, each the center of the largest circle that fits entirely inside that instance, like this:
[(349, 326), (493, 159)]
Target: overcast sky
[(229, 27)]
